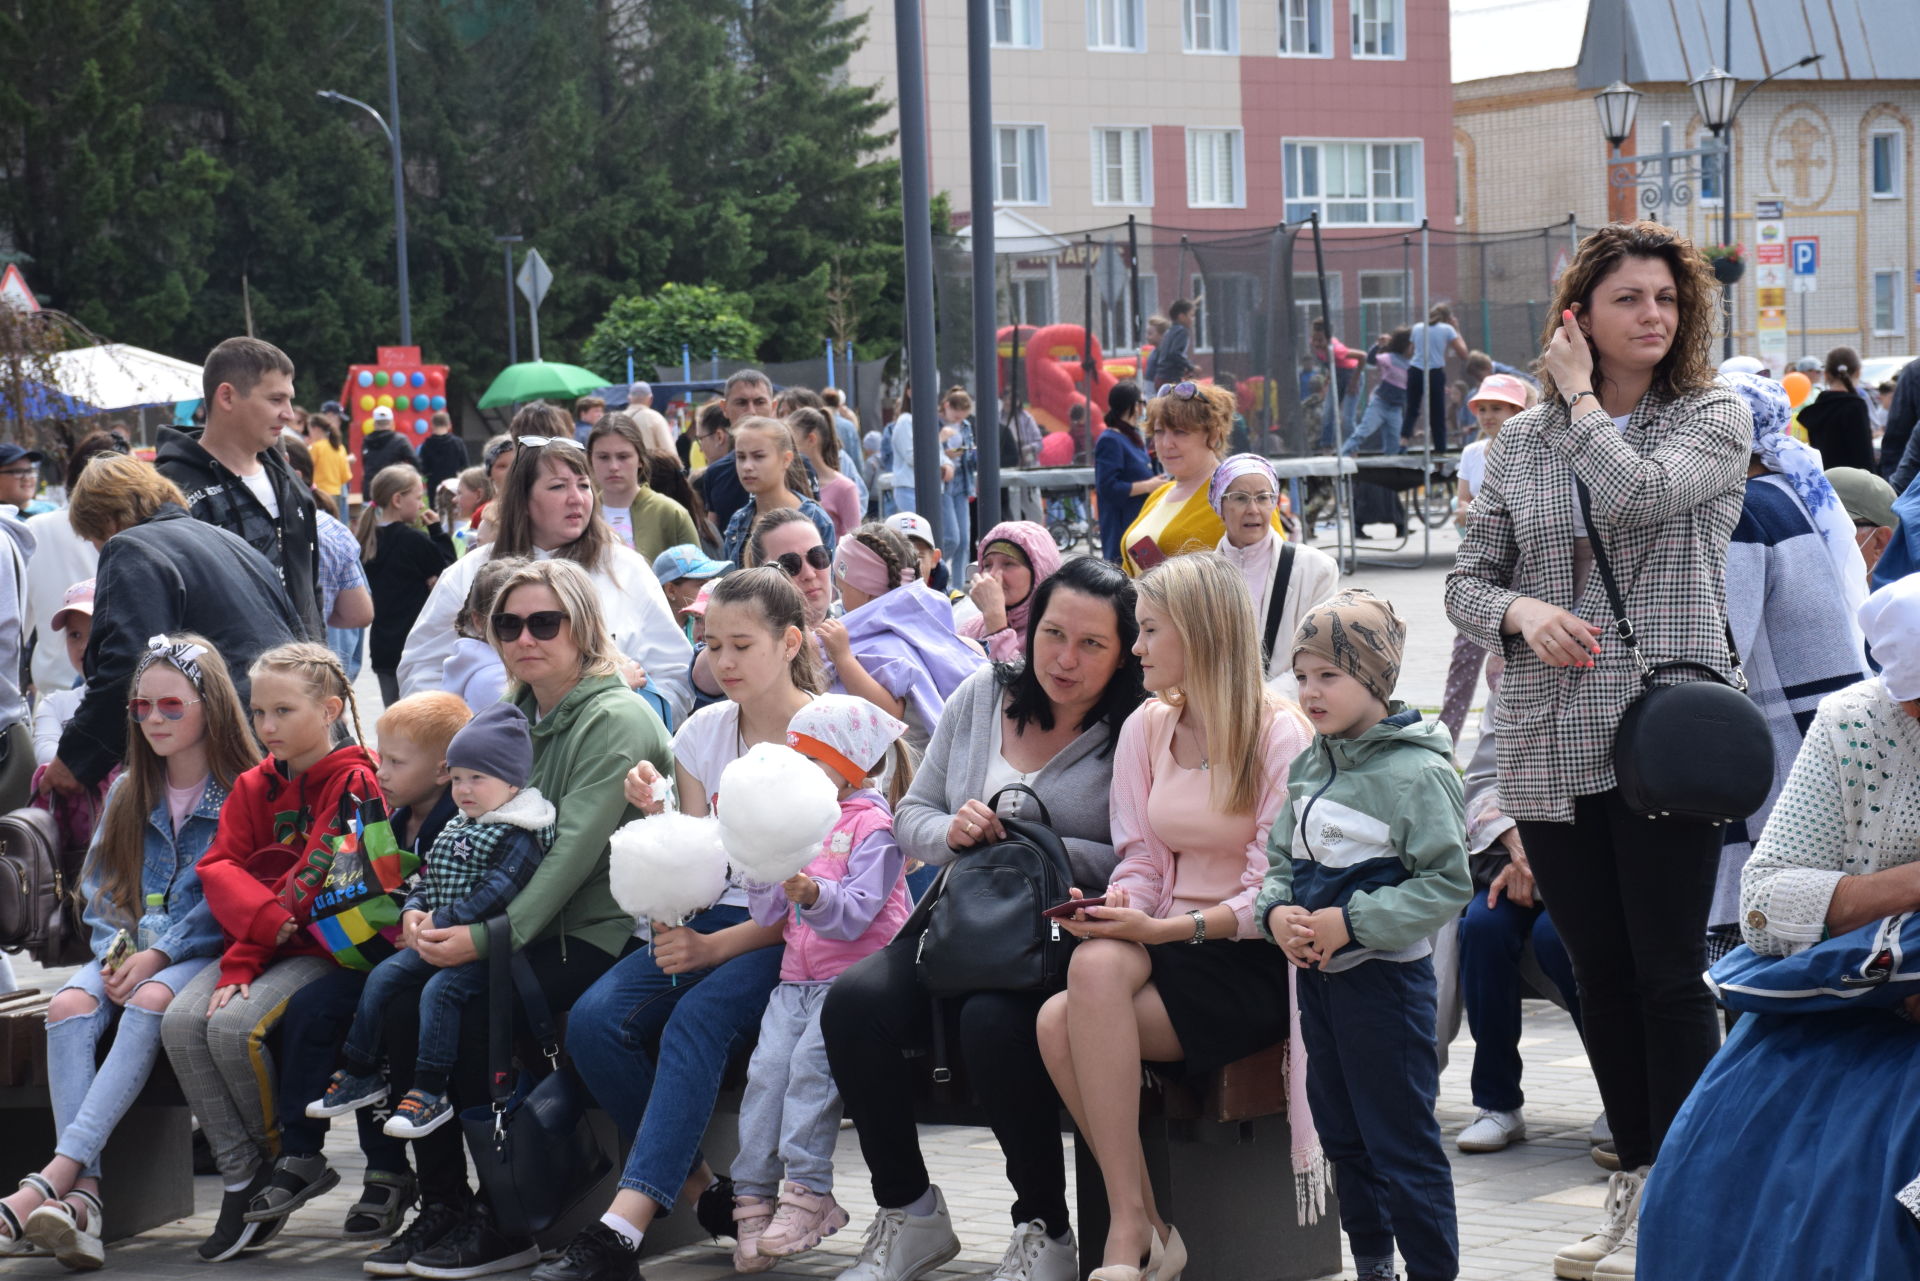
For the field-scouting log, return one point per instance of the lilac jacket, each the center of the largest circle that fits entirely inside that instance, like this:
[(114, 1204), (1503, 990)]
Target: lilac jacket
[(863, 895)]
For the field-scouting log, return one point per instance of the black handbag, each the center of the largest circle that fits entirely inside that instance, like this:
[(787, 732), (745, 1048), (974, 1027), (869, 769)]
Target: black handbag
[(532, 1145), (1696, 750)]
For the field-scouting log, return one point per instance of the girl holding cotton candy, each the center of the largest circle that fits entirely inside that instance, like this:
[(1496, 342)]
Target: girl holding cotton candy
[(700, 989)]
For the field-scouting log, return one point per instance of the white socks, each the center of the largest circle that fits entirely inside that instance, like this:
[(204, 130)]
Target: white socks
[(629, 1235)]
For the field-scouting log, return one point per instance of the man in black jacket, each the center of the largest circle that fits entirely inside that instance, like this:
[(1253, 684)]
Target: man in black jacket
[(1899, 457), (382, 448), (233, 477), (160, 573)]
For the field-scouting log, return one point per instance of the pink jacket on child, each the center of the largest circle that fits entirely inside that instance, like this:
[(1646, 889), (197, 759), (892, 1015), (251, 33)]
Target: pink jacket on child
[(863, 895)]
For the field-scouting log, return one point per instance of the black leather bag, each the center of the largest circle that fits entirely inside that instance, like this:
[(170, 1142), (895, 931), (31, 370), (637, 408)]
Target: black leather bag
[(981, 927), (1696, 750), (532, 1146)]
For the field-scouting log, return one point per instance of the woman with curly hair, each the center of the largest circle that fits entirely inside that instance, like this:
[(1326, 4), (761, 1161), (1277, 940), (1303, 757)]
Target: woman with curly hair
[(1634, 444)]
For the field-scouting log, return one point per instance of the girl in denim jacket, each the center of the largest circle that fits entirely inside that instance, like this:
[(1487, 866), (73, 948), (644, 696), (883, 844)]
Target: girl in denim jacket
[(160, 817)]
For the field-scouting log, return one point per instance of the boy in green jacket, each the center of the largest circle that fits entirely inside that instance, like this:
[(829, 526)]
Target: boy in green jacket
[(1366, 862)]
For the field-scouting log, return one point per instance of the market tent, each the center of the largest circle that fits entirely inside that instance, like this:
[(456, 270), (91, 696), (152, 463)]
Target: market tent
[(116, 377)]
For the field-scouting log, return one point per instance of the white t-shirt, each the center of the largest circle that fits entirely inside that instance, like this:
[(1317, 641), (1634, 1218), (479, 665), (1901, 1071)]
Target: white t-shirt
[(1579, 521), (1473, 466), (620, 521), (708, 742), (262, 488)]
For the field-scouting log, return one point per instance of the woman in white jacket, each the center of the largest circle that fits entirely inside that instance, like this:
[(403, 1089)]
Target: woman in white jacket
[(1285, 579), (548, 508)]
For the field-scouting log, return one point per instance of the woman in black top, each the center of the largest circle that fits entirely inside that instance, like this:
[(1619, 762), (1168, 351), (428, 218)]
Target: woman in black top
[(403, 563), (1837, 422)]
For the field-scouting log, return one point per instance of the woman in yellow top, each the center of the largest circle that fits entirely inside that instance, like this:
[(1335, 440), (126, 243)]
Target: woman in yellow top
[(1189, 424), (332, 470)]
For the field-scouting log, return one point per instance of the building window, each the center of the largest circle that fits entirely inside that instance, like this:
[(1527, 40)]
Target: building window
[(1886, 303), (1305, 28), (1377, 28), (1029, 301), (1710, 171), (1383, 304), (1120, 174), (1021, 163), (1213, 169), (1353, 184), (1884, 153), (1116, 26), (1306, 310), (1210, 26), (1459, 183), (1016, 23)]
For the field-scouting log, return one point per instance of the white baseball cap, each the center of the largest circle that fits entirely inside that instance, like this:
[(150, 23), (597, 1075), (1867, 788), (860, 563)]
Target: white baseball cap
[(913, 525), (383, 415)]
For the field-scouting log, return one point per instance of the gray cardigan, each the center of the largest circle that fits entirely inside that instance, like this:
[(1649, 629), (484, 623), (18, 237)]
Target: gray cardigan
[(1074, 785)]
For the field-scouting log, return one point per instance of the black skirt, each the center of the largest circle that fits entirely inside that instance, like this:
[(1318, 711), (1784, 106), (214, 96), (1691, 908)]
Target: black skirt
[(1226, 999)]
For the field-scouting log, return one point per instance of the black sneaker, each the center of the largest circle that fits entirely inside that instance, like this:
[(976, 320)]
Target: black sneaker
[(231, 1231), (429, 1228), (476, 1249), (596, 1253), (713, 1210)]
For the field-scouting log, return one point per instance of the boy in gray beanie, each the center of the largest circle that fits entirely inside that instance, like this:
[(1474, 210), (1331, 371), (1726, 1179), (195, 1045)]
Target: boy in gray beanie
[(482, 859)]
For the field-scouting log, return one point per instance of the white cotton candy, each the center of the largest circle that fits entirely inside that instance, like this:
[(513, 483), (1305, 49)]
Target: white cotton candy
[(775, 808), (666, 868)]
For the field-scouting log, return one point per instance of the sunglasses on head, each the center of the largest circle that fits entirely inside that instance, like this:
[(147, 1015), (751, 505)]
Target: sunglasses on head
[(1184, 390), (545, 625), (536, 442), (171, 709), (793, 562)]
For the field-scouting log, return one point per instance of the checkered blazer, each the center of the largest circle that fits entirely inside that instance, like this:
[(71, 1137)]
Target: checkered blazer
[(1667, 495)]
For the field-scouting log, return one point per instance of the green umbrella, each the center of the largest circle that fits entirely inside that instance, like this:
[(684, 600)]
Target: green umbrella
[(539, 380)]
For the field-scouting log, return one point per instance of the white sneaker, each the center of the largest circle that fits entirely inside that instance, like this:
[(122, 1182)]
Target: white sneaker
[(1578, 1261), (902, 1246), (1619, 1265), (1491, 1131), (1032, 1255)]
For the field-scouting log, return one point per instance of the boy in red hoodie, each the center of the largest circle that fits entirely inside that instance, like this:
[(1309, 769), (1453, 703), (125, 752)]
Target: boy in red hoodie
[(280, 831)]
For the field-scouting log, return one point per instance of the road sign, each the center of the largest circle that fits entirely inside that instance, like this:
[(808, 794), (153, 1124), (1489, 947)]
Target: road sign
[(1804, 252), (14, 291), (1765, 298), (534, 278), (1770, 275), (1806, 284), (1771, 208)]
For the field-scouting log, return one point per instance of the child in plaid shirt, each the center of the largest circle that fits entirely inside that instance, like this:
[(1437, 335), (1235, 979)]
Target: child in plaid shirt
[(481, 860)]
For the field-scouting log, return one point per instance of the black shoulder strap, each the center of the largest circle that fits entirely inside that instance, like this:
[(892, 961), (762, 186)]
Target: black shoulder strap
[(1277, 603), (508, 974)]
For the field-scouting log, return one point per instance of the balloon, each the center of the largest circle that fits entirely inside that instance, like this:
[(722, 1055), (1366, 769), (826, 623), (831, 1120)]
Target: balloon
[(380, 378), (439, 402), (366, 426), (386, 402), (366, 401), (436, 378), (420, 426), (1798, 386), (419, 402), (417, 379), (365, 379)]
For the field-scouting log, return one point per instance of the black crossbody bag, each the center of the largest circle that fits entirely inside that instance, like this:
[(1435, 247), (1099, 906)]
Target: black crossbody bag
[(1697, 750)]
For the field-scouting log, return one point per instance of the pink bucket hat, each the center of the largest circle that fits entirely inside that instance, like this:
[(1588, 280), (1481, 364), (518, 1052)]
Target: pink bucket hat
[(1504, 388)]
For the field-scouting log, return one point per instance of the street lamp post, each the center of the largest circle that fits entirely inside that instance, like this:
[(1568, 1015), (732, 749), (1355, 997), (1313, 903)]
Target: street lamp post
[(399, 172), (506, 244)]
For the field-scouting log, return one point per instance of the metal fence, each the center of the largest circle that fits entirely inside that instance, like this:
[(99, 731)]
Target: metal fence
[(1073, 306)]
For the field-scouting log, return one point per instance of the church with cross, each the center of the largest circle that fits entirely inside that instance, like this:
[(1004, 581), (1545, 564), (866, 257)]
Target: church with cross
[(1832, 141)]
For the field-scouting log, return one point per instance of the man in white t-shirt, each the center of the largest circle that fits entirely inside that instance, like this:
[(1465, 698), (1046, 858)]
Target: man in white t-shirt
[(233, 476)]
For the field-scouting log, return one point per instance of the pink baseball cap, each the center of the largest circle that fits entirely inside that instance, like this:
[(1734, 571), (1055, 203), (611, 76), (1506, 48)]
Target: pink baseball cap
[(702, 598), (1504, 388), (78, 600)]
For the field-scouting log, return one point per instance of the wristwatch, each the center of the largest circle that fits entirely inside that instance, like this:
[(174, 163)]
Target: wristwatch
[(1577, 395), (1199, 927)]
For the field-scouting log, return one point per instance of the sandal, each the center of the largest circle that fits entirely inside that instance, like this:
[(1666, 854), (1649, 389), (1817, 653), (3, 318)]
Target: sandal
[(57, 1228), (295, 1181), (15, 1244), (383, 1203)]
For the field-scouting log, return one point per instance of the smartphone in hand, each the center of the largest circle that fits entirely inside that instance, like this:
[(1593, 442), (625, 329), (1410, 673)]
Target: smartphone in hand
[(1064, 911)]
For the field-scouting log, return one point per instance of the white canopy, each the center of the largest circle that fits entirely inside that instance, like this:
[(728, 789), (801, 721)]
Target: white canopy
[(117, 376)]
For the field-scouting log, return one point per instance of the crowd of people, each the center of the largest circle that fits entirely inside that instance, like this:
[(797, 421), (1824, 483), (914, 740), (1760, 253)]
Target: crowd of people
[(1262, 846)]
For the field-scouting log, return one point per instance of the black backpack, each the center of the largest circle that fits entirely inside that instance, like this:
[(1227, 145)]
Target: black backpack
[(982, 923)]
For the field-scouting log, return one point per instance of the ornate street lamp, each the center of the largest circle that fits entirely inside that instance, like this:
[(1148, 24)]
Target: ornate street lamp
[(1617, 104), (1713, 95)]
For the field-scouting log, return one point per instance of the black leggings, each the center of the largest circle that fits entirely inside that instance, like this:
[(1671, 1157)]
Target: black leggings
[(876, 1013), (1630, 897), (1431, 385), (566, 968)]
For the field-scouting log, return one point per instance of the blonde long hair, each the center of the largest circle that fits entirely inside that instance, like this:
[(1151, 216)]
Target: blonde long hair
[(120, 853), (1205, 600), (579, 601)]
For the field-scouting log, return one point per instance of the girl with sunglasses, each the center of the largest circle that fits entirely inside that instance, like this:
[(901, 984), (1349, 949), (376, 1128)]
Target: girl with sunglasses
[(1189, 423), (761, 656), (549, 509), (192, 743), (763, 458)]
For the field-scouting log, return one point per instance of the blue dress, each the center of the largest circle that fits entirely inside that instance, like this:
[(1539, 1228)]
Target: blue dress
[(1117, 464)]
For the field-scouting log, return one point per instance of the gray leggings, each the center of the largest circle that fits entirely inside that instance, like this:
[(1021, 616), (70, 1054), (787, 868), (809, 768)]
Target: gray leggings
[(223, 1064)]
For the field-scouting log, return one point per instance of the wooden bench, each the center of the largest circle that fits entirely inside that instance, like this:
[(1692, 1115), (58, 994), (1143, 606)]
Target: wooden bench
[(147, 1169)]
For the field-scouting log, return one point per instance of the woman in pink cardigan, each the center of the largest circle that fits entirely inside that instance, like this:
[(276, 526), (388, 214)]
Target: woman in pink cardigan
[(1162, 977)]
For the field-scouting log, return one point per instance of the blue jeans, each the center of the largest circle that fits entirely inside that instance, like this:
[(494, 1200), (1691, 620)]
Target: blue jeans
[(662, 1103), (440, 993), (1379, 431), (1372, 1075), (955, 519), (349, 646), (1491, 940), (88, 1101), (1349, 412)]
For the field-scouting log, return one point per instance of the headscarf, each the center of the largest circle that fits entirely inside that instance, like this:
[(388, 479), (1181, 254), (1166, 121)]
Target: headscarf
[(1036, 546), (848, 735), (860, 567), (1799, 463), (1891, 620), (1232, 469)]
